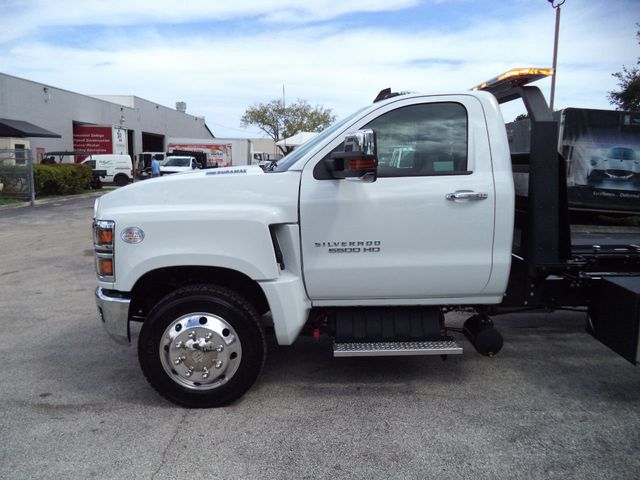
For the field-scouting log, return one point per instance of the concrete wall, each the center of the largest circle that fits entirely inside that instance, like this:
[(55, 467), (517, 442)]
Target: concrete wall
[(56, 109), (10, 143)]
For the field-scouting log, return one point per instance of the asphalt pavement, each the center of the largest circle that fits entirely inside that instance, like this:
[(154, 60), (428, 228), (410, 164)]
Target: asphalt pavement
[(554, 404)]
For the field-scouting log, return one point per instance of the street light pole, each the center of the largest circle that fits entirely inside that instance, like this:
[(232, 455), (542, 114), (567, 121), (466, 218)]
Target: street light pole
[(555, 50), (284, 106)]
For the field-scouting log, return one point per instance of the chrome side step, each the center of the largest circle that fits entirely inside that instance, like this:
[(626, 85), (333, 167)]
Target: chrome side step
[(384, 349)]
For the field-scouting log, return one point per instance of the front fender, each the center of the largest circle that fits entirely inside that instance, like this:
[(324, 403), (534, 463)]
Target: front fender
[(217, 218), (242, 244)]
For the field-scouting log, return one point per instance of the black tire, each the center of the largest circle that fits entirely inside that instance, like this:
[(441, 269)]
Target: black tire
[(192, 302), (596, 176), (121, 180)]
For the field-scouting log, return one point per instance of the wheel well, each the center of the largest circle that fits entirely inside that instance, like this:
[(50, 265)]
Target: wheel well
[(154, 285)]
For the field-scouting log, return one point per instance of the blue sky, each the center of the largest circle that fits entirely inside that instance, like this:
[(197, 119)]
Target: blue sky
[(220, 57)]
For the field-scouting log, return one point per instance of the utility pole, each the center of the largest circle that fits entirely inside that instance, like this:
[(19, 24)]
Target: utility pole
[(556, 5)]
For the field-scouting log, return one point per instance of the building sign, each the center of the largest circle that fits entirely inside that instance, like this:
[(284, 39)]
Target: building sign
[(217, 153), (93, 139), (120, 141), (100, 139)]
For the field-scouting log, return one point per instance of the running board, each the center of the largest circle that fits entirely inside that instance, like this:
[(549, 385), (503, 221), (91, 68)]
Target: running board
[(387, 349)]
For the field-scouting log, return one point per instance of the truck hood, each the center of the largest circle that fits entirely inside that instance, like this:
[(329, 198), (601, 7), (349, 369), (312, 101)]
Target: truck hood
[(230, 189)]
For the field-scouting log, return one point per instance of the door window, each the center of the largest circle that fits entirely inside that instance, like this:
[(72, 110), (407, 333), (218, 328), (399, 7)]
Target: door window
[(419, 140)]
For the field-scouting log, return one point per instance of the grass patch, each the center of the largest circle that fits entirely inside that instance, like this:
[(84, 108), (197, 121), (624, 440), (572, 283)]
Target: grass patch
[(10, 201)]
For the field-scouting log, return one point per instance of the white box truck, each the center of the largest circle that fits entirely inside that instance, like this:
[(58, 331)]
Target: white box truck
[(220, 152)]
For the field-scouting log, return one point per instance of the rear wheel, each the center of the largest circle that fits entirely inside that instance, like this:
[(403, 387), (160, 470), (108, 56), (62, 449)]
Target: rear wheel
[(121, 180), (202, 346)]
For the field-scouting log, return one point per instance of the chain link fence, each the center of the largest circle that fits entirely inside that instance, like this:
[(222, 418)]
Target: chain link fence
[(16, 175)]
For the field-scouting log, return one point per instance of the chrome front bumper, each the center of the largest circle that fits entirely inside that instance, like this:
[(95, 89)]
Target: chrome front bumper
[(114, 315)]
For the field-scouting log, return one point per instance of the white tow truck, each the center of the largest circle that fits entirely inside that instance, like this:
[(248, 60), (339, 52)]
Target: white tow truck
[(337, 239)]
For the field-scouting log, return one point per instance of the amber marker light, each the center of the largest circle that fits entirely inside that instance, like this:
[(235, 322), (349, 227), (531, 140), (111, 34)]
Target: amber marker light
[(105, 267), (103, 234), (105, 237), (361, 164)]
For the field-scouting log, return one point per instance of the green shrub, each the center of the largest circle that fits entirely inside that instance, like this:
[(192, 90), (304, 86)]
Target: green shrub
[(61, 179)]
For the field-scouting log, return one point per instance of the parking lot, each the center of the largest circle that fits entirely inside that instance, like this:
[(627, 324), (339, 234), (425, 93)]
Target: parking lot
[(553, 404)]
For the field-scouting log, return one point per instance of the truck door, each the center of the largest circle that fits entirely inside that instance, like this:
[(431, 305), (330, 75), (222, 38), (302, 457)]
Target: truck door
[(406, 235)]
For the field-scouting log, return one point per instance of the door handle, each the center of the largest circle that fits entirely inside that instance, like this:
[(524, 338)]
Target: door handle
[(466, 195)]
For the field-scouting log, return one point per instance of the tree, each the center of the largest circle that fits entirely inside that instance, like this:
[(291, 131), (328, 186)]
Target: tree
[(280, 121), (628, 97)]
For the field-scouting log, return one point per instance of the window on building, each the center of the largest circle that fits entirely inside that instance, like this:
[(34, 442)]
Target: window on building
[(21, 154)]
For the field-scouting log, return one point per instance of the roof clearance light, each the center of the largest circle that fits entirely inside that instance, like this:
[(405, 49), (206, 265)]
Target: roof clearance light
[(515, 77)]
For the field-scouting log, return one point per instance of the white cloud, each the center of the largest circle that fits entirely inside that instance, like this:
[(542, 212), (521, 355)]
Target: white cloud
[(219, 76), (25, 17)]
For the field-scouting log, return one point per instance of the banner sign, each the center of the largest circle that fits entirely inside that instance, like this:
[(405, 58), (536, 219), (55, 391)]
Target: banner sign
[(602, 149), (602, 152)]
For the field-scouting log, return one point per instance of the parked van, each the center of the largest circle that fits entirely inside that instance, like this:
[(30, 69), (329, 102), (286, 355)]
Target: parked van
[(112, 168)]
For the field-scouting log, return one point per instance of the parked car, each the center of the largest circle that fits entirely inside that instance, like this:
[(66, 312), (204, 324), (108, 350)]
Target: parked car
[(620, 163)]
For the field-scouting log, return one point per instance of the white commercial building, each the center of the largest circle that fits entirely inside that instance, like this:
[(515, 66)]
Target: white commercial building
[(99, 123)]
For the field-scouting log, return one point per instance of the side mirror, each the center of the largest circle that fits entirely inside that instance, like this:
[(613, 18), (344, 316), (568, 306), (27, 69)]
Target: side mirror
[(359, 159)]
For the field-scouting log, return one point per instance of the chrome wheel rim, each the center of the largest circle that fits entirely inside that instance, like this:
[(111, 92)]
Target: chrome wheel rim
[(200, 351)]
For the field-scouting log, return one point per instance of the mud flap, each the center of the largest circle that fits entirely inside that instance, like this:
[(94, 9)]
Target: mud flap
[(614, 315)]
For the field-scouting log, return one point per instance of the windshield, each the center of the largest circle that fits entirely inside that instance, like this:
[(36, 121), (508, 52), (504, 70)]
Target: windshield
[(621, 153), (177, 162), (284, 164)]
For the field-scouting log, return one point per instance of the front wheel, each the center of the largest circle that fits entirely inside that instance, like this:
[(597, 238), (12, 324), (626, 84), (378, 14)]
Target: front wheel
[(202, 346)]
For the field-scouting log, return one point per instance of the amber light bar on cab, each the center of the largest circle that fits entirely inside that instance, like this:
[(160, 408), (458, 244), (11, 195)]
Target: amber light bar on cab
[(515, 78)]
